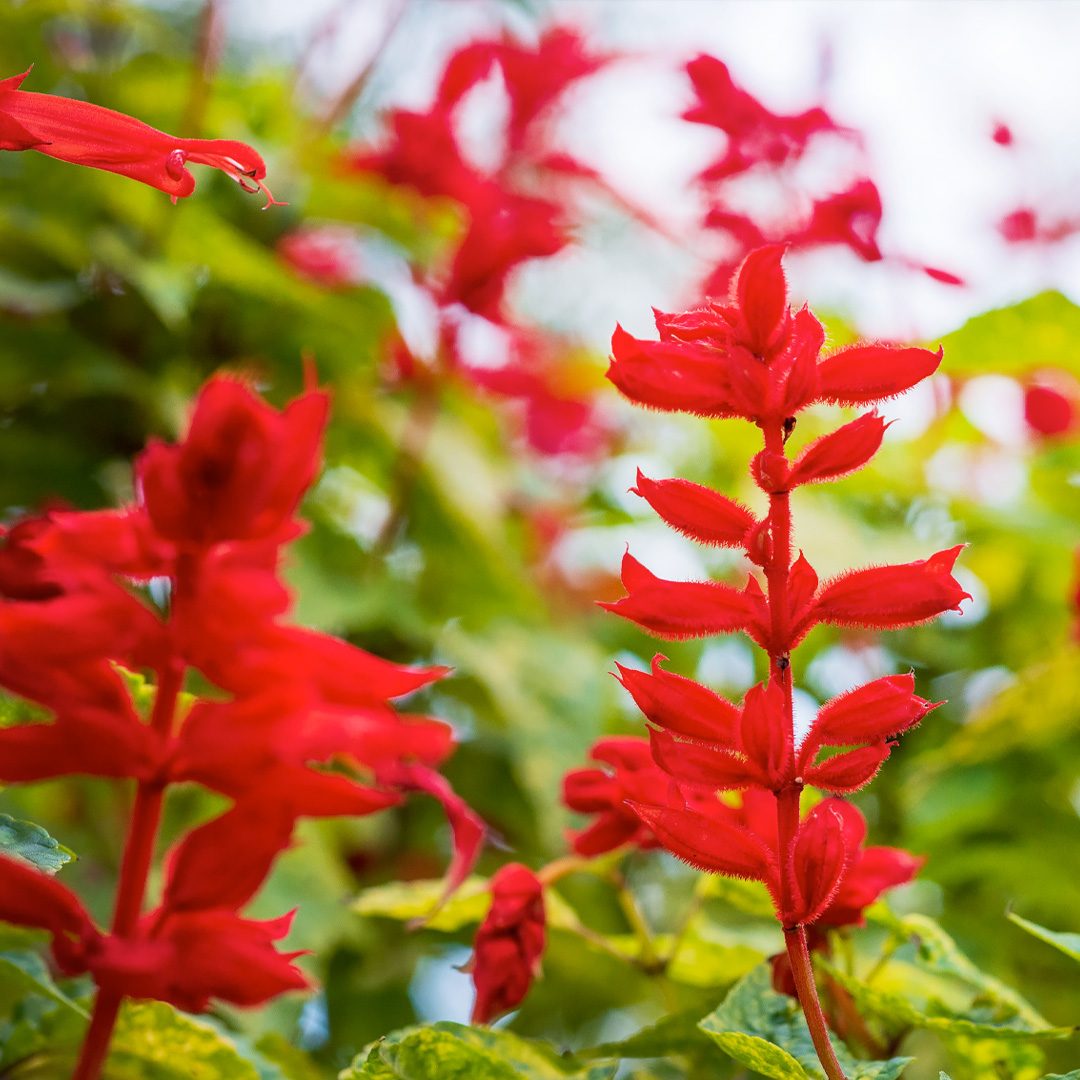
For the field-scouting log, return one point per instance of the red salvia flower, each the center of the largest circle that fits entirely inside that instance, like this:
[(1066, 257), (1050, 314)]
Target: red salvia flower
[(309, 731), (509, 943), (753, 358), (87, 134), (631, 775)]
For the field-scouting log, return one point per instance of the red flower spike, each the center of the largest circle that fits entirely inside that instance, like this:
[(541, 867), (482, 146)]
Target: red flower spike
[(696, 511), (86, 134), (708, 843), (509, 943), (681, 705), (704, 766), (845, 773), (863, 374), (870, 712), (840, 452), (668, 376), (891, 596), (681, 609), (764, 737), (241, 469), (633, 775), (761, 293), (819, 859)]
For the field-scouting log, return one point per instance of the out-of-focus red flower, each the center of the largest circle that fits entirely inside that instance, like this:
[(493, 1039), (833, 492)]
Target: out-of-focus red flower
[(1002, 134), (1051, 403), (323, 254), (241, 469), (509, 943), (86, 134), (1025, 225), (631, 775)]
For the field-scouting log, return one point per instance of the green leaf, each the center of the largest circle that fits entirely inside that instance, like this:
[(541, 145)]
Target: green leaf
[(405, 900), (26, 973), (750, 897), (30, 842), (766, 1032), (1067, 943), (449, 1051), (293, 1063), (153, 1041)]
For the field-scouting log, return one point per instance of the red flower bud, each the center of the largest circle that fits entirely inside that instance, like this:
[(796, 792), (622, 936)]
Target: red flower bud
[(770, 472), (761, 293), (802, 585), (696, 511), (890, 596), (681, 609), (844, 773), (669, 376), (861, 374), (765, 738), (509, 943), (840, 452), (820, 857), (874, 711)]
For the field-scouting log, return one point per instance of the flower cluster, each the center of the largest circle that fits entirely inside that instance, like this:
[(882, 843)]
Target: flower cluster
[(506, 222), (303, 725), (753, 358), (101, 138), (769, 146)]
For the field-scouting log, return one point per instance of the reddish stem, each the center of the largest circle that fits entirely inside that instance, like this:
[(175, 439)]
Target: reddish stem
[(134, 871), (803, 972), (777, 572)]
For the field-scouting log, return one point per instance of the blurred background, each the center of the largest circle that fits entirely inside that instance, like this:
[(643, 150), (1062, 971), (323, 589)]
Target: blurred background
[(462, 236)]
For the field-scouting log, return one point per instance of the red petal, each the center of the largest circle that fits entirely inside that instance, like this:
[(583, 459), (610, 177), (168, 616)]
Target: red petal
[(840, 452), (861, 374), (609, 831), (589, 791), (681, 609), (874, 711), (709, 844), (681, 705), (29, 897), (696, 511), (702, 766), (761, 291), (673, 377), (889, 596), (800, 384), (766, 739), (844, 773)]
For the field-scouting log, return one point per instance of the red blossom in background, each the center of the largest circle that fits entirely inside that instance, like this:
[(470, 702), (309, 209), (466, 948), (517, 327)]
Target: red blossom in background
[(509, 943), (631, 775), (87, 134), (214, 512), (753, 358)]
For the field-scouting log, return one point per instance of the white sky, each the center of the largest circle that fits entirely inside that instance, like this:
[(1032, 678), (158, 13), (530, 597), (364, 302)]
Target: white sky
[(924, 81)]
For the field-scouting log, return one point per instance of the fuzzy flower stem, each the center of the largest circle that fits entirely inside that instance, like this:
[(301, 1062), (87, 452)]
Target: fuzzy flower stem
[(778, 569), (801, 969)]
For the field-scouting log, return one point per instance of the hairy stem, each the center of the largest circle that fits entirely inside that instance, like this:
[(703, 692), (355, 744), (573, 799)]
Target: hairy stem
[(799, 958)]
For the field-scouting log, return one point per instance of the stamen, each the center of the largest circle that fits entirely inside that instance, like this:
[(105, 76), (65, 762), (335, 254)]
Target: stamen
[(270, 200)]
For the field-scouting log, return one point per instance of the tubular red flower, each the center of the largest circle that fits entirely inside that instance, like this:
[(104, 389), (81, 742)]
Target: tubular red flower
[(509, 943), (632, 774), (681, 705), (696, 511), (681, 609), (840, 452), (241, 469), (845, 773), (87, 134), (823, 851), (890, 596)]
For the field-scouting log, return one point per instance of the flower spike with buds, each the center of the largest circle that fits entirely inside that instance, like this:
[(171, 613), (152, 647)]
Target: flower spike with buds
[(752, 357)]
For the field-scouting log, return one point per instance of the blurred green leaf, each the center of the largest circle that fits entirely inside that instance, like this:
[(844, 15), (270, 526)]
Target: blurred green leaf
[(26, 972), (1063, 941)]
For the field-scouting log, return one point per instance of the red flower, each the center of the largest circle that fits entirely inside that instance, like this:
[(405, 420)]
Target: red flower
[(324, 255), (86, 134), (632, 776), (241, 469), (509, 943)]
